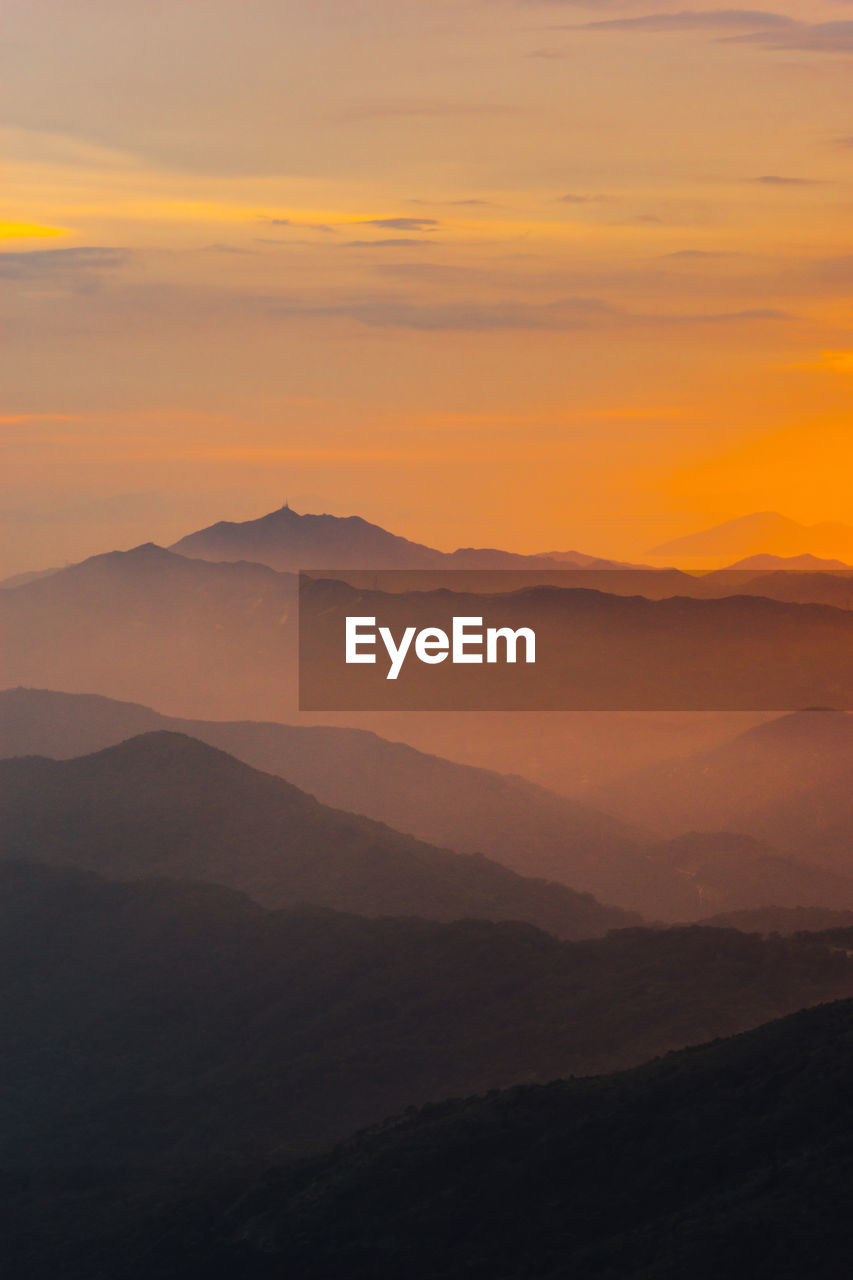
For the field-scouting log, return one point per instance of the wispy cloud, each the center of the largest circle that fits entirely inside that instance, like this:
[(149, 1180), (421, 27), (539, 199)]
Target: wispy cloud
[(772, 31), (806, 37), (749, 20), (39, 264), (560, 315), (437, 109), (575, 197), (779, 180), (401, 224), (393, 242)]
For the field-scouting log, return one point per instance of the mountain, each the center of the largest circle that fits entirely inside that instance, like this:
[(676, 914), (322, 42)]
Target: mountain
[(260, 1014), (763, 532), (527, 827), (166, 804), (723, 872), (21, 579), (817, 822), (772, 766), (728, 1160), (782, 920), (289, 541), (286, 540), (147, 623), (789, 562)]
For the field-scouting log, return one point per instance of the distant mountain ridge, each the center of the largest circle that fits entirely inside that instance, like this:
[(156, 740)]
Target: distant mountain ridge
[(289, 541), (762, 533), (471, 810), (786, 782), (164, 804)]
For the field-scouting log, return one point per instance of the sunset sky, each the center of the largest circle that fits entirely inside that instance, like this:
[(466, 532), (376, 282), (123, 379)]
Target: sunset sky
[(528, 273)]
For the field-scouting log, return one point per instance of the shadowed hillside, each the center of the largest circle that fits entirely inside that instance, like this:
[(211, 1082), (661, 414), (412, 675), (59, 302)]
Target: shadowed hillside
[(731, 1160), (507, 818), (773, 762), (726, 1160), (175, 1021), (166, 804)]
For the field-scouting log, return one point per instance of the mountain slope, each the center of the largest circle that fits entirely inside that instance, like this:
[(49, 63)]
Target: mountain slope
[(166, 804), (158, 1022), (148, 623), (769, 765), (532, 830), (284, 539), (762, 532), (527, 827), (728, 1160), (287, 540), (721, 871), (628, 1177)]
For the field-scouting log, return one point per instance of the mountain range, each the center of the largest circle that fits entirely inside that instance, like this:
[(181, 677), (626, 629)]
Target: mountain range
[(534, 831), (163, 804), (289, 541), (729, 1160), (261, 1016), (204, 1040), (786, 782), (760, 533)]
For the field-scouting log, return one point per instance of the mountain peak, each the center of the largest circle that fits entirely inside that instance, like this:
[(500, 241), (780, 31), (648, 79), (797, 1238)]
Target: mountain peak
[(761, 533)]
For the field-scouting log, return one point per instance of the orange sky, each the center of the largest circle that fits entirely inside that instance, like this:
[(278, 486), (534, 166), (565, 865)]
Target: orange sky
[(542, 275)]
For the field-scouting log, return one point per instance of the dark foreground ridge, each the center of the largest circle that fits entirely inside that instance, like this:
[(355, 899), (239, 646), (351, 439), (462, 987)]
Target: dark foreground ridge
[(166, 1042), (732, 1161)]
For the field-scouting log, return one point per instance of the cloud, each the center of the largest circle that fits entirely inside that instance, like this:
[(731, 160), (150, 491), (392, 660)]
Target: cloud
[(299, 226), (777, 180), (402, 224), (394, 242), (834, 271), (695, 20), (560, 316), (41, 264), (426, 110), (771, 31), (698, 254), (573, 197), (806, 37)]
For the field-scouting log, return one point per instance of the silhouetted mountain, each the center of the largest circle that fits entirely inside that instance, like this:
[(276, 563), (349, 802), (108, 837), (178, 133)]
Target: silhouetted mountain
[(165, 1021), (727, 1160), (806, 561), (763, 532), (535, 831), (21, 579), (147, 623), (732, 1160), (771, 765), (784, 920), (287, 540), (166, 804), (790, 586)]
